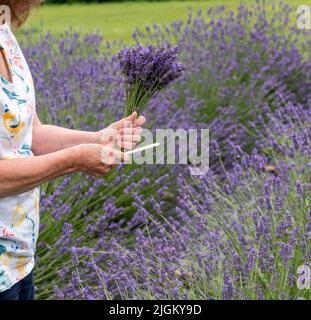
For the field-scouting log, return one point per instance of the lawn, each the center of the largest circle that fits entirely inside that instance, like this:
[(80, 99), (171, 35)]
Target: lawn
[(117, 21)]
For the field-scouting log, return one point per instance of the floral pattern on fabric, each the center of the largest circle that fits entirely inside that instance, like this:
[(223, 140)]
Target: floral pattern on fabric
[(19, 215)]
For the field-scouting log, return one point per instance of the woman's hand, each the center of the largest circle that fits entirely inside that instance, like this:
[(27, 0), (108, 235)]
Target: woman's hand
[(21, 175), (125, 133), (97, 160)]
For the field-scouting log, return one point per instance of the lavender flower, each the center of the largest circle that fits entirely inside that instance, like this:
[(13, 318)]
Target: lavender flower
[(147, 71)]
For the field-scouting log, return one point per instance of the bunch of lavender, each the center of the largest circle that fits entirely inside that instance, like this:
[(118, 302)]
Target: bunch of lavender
[(147, 71)]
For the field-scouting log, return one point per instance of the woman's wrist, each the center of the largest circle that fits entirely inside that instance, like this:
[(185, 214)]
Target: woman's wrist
[(73, 158)]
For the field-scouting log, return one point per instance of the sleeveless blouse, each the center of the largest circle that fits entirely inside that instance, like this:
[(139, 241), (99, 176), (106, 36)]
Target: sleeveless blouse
[(19, 215)]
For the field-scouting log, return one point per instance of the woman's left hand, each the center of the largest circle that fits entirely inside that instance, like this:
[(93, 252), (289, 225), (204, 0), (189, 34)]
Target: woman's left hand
[(125, 133)]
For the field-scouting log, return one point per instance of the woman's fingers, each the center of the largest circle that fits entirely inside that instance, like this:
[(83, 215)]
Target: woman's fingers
[(132, 117), (139, 121), (127, 145), (125, 133), (100, 172), (125, 122), (111, 156), (129, 137), (132, 121), (128, 141), (130, 131)]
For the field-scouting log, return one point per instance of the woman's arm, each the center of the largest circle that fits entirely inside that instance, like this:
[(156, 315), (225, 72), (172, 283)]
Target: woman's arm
[(22, 175), (48, 138)]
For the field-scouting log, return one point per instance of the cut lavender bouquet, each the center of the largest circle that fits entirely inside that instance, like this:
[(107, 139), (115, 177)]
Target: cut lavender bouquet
[(146, 72)]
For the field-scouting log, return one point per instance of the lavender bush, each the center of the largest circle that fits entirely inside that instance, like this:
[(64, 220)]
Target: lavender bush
[(240, 232), (243, 238)]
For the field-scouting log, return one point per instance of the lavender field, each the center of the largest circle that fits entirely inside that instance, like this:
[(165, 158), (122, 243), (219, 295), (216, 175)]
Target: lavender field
[(156, 232)]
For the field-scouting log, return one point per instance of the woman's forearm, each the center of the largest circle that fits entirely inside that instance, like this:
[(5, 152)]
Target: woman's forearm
[(48, 139), (22, 175)]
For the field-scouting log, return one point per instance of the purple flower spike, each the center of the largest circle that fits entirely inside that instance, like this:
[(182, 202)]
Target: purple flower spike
[(146, 72)]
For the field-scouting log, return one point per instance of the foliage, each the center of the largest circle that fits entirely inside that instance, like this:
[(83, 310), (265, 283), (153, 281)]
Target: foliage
[(135, 233)]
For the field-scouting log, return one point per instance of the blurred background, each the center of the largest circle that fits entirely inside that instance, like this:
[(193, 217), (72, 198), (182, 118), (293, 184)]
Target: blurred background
[(117, 20)]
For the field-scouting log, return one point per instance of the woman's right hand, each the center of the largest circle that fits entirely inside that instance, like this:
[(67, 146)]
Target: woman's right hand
[(97, 160), (21, 175)]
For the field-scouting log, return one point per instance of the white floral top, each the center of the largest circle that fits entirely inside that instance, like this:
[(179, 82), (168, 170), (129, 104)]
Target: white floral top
[(19, 215)]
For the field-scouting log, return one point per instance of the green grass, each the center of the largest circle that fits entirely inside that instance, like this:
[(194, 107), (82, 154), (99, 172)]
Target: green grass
[(117, 21)]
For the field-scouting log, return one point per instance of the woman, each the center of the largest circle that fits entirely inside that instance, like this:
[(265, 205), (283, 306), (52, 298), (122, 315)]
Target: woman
[(32, 153)]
